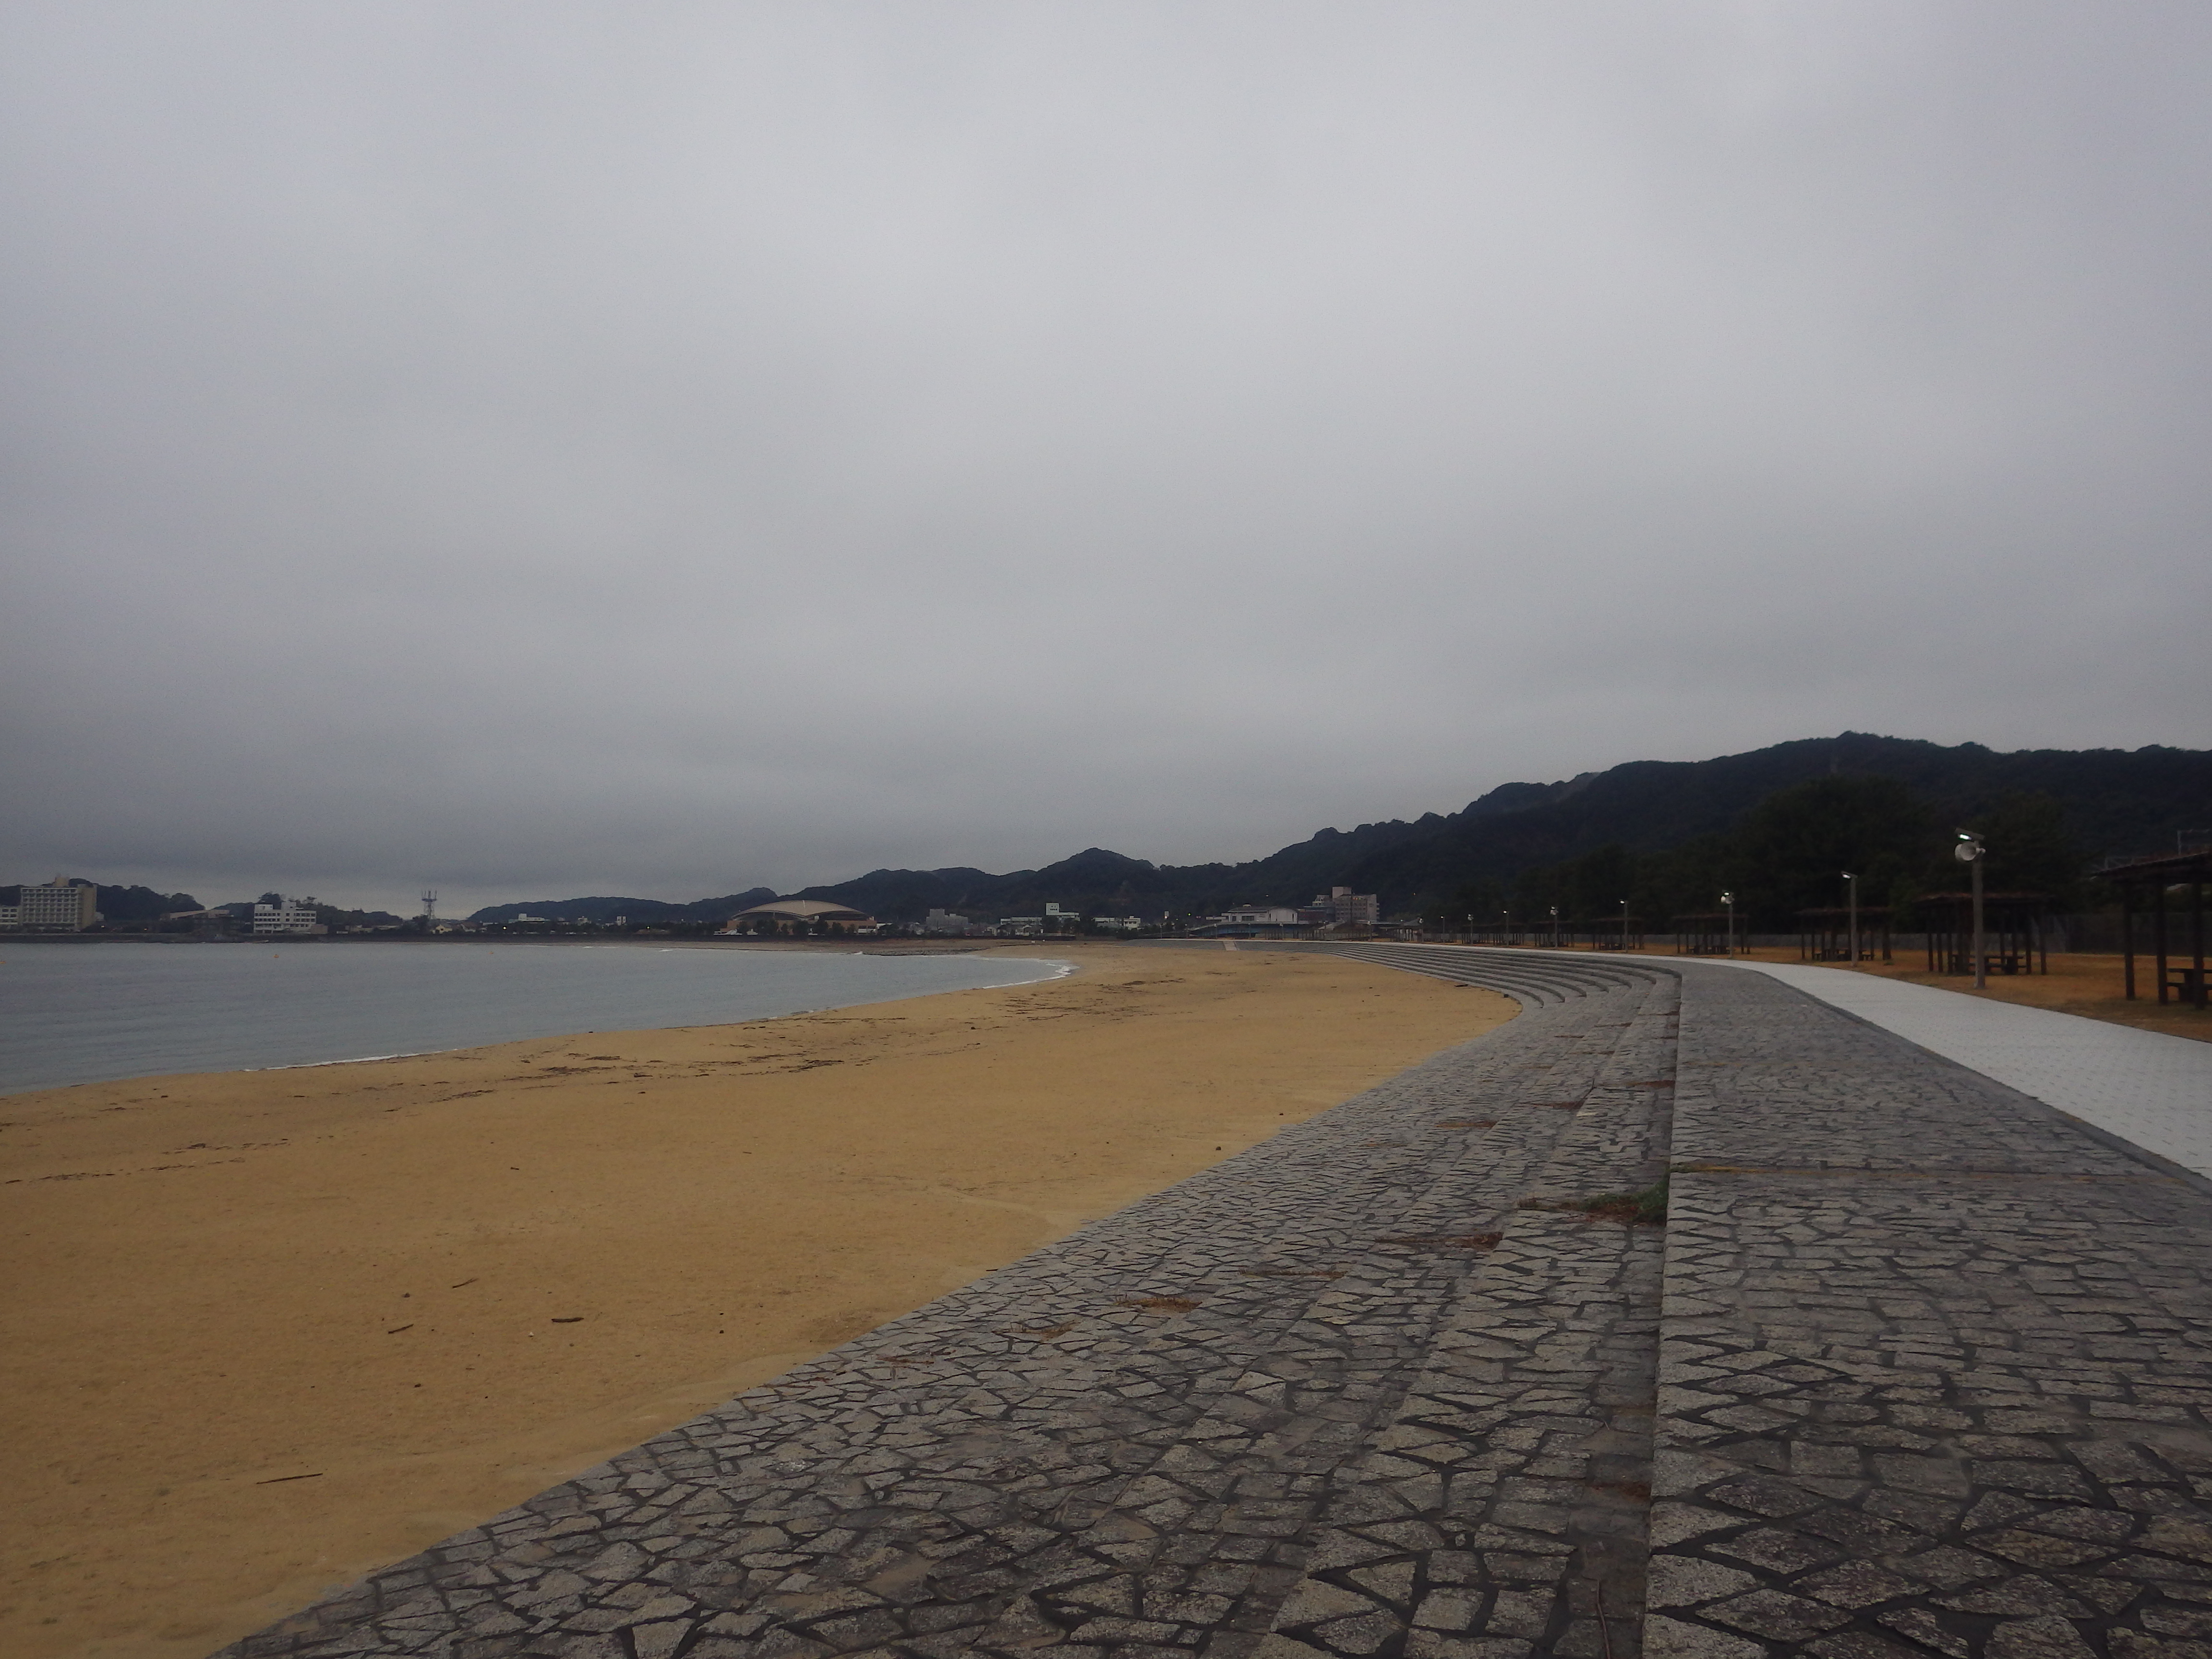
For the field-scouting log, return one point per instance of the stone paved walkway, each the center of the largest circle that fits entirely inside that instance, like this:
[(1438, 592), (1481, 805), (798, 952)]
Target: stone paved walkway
[(2149, 1089), (2146, 1087), (1917, 1366), (1934, 1364)]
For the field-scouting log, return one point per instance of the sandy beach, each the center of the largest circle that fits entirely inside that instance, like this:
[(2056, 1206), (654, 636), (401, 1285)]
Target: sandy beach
[(264, 1331)]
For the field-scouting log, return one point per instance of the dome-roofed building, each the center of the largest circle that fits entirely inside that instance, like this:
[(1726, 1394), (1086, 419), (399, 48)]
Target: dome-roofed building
[(801, 916)]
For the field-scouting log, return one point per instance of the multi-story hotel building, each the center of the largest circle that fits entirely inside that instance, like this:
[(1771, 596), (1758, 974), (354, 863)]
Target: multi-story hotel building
[(287, 915), (64, 906)]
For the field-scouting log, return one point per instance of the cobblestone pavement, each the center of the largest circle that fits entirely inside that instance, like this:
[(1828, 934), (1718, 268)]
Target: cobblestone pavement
[(1126, 1441), (1934, 1363), (2148, 1087), (1918, 1366), (1502, 1507)]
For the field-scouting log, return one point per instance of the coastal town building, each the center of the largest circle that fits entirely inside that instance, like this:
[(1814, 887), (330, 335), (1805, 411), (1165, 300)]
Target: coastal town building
[(946, 922), (1057, 920), (1347, 908), (55, 906), (1338, 907), (213, 922), (801, 916), (1257, 921), (287, 915), (1265, 915)]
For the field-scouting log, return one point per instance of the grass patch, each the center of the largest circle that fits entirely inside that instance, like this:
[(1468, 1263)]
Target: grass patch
[(1646, 1209), (1447, 1241)]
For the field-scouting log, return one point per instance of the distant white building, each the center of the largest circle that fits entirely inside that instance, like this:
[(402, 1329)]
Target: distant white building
[(287, 915), (945, 921), (59, 905), (1265, 915)]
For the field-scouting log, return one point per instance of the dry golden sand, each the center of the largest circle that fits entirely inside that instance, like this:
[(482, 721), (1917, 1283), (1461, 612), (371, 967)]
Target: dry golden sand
[(265, 1331)]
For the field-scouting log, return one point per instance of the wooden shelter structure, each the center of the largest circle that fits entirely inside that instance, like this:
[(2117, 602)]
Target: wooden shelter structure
[(1612, 933), (1550, 932), (1825, 935), (1705, 934), (1562, 932), (2153, 878), (2011, 941)]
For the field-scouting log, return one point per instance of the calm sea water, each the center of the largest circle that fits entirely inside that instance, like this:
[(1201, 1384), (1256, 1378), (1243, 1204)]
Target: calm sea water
[(89, 1013)]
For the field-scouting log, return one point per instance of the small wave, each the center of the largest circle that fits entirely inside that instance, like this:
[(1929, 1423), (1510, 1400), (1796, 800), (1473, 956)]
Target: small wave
[(355, 1060)]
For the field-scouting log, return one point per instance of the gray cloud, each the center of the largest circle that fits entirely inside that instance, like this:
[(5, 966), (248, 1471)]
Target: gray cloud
[(663, 448)]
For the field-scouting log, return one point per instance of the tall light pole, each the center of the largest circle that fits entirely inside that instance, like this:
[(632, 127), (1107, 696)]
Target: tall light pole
[(1623, 924), (1969, 852), (1853, 890), (1727, 903), (1555, 928)]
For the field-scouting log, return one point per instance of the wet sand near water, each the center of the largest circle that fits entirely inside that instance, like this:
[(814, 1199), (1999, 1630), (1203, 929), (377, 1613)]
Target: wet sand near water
[(265, 1331)]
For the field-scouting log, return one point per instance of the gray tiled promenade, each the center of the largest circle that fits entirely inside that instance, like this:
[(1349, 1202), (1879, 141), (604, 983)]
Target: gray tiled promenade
[(2153, 1089), (1932, 1372), (2150, 1090)]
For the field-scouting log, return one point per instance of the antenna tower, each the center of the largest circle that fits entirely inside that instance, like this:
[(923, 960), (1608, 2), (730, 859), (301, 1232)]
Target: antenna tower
[(429, 905)]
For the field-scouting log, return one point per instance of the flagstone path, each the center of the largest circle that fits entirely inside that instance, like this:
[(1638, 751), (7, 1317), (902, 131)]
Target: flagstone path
[(1916, 1366)]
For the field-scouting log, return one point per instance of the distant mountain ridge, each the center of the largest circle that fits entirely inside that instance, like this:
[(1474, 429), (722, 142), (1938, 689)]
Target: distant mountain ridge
[(2116, 801)]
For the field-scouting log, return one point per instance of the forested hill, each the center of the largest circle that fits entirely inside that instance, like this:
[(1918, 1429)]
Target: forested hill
[(2113, 801)]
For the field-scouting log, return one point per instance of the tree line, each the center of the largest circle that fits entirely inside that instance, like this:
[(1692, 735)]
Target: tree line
[(1788, 854)]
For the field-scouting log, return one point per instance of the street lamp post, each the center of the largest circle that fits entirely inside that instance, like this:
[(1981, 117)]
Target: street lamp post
[(1727, 903), (1555, 928), (1969, 853), (1853, 890), (1623, 924)]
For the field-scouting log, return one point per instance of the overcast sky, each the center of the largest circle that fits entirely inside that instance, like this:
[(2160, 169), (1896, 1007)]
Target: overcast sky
[(547, 449)]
